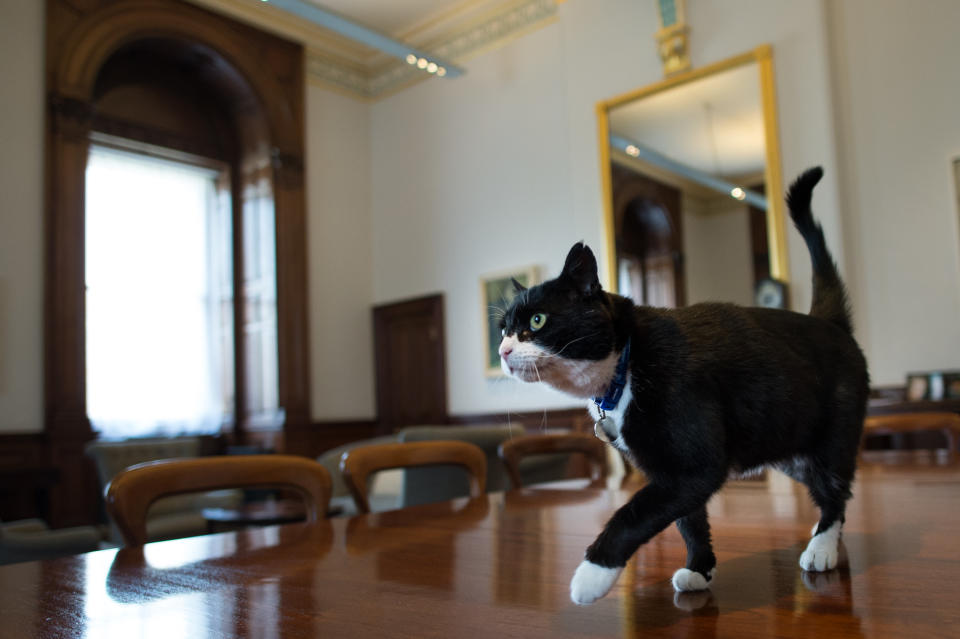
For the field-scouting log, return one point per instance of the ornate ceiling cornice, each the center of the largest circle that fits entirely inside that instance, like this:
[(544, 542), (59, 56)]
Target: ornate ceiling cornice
[(335, 62)]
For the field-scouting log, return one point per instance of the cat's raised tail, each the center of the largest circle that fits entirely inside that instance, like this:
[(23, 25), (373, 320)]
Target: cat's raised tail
[(829, 295)]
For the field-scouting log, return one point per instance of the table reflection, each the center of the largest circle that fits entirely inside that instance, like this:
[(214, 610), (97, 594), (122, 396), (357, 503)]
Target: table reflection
[(500, 564)]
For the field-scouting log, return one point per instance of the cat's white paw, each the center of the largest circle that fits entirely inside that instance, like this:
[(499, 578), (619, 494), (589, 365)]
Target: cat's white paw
[(685, 580), (592, 581), (823, 551)]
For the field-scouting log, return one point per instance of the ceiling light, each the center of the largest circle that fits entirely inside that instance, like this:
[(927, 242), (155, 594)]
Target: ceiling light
[(632, 150), (441, 72), (309, 10), (738, 193), (432, 67)]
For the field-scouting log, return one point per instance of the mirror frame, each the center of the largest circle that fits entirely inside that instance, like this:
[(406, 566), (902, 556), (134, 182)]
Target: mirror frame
[(776, 229)]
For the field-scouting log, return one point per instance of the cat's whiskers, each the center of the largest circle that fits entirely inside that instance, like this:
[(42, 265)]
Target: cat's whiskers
[(569, 343)]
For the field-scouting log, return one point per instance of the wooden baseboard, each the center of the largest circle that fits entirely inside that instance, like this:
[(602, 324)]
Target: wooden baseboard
[(320, 437)]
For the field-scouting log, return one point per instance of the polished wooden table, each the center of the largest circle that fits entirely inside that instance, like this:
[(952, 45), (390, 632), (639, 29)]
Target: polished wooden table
[(500, 566)]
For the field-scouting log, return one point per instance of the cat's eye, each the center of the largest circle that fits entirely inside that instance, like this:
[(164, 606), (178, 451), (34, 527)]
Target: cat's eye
[(537, 321)]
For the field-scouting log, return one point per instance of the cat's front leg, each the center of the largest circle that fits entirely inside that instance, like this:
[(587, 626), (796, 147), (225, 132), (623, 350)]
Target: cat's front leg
[(701, 562), (648, 512)]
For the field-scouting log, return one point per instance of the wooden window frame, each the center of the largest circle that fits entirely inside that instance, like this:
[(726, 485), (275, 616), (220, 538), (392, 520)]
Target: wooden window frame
[(79, 40)]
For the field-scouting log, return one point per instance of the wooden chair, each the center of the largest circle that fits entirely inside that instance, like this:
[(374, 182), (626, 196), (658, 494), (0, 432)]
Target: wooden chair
[(130, 493), (897, 423), (358, 464), (512, 451)]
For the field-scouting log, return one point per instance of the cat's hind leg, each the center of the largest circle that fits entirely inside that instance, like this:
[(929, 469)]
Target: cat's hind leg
[(830, 491), (701, 562)]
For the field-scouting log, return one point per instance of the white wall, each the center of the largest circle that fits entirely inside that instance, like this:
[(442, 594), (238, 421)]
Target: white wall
[(429, 189), (897, 90), (499, 168), (21, 216), (340, 262), (470, 177)]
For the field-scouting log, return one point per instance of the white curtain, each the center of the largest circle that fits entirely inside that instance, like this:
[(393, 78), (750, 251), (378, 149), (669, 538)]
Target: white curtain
[(159, 301)]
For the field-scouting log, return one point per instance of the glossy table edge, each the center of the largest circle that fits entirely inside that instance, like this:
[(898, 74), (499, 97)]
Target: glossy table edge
[(758, 531)]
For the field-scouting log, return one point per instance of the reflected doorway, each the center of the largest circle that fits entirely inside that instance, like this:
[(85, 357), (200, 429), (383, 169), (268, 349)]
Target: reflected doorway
[(649, 239)]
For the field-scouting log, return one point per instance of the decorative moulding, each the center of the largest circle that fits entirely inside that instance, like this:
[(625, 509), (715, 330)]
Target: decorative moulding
[(335, 62)]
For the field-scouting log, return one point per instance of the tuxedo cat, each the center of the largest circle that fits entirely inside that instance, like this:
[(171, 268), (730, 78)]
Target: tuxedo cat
[(692, 394)]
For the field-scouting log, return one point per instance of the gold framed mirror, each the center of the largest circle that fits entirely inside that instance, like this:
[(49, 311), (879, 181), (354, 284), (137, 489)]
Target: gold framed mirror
[(686, 165)]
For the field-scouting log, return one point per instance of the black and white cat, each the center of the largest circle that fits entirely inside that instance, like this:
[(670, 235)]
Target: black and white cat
[(693, 394)]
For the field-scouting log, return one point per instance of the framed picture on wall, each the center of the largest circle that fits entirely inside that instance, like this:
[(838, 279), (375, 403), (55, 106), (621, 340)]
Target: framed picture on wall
[(496, 294)]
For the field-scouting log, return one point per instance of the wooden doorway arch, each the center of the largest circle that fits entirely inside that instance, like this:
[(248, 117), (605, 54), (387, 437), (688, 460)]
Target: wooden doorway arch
[(265, 75)]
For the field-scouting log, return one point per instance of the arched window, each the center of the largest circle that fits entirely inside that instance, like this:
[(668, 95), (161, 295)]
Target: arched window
[(161, 76)]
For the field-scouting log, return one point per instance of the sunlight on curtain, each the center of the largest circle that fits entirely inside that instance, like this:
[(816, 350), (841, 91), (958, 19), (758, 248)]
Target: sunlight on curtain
[(260, 308), (159, 300)]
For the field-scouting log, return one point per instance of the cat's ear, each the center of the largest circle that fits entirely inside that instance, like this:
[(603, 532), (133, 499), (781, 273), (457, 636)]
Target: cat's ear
[(580, 270), (517, 286)]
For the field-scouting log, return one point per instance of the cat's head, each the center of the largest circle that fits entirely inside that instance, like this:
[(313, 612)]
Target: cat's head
[(562, 332)]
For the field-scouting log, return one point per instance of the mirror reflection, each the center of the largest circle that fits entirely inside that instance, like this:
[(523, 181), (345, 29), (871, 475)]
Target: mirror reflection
[(689, 162)]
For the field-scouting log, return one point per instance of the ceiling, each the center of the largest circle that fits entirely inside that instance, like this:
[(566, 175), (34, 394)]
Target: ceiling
[(450, 30), (396, 18), (714, 125)]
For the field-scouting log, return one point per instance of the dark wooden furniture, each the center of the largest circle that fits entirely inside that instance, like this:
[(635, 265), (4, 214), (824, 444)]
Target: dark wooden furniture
[(898, 423), (359, 463), (500, 564), (513, 450), (130, 493), (25, 491)]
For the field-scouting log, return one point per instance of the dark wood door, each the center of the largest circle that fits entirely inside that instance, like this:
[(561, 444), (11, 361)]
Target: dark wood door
[(411, 363)]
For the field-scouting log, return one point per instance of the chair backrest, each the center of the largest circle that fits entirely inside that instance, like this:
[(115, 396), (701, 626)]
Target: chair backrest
[(512, 451), (130, 493), (443, 483), (359, 463), (330, 459)]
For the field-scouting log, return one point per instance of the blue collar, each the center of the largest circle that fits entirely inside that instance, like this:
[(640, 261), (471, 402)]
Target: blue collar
[(615, 390)]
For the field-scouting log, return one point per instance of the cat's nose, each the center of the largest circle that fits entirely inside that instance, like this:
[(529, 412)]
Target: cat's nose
[(505, 351)]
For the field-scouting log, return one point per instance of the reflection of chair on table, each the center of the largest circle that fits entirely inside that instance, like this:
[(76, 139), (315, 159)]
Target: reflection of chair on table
[(130, 493), (243, 563), (392, 529), (899, 423)]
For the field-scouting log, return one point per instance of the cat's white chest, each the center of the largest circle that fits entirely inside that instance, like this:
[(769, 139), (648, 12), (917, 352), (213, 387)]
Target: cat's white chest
[(614, 417)]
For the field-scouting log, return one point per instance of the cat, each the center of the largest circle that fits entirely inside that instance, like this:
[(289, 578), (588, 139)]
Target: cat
[(691, 395)]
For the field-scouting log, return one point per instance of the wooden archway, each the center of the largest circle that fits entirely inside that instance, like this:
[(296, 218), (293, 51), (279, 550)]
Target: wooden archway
[(629, 188), (81, 36)]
